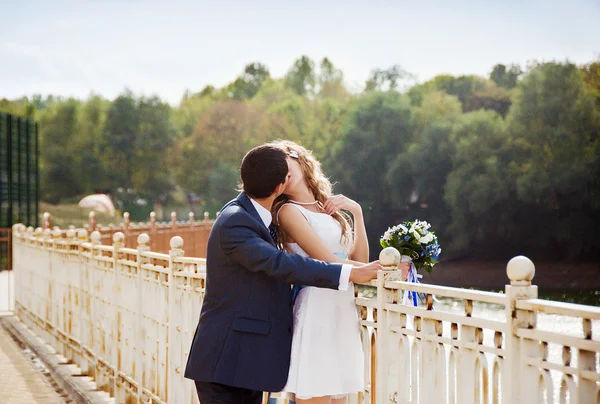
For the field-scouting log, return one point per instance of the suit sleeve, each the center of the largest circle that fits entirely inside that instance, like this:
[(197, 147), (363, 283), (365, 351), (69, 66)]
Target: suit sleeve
[(241, 242)]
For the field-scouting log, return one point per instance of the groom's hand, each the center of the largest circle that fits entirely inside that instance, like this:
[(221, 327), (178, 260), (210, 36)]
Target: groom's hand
[(364, 273)]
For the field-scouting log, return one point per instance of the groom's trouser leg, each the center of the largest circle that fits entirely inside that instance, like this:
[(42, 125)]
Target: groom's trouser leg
[(215, 393)]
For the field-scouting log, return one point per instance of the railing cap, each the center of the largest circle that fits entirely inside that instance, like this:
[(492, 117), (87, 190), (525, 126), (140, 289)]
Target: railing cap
[(520, 270), (389, 257), (143, 239), (176, 243), (96, 236), (82, 234), (118, 237)]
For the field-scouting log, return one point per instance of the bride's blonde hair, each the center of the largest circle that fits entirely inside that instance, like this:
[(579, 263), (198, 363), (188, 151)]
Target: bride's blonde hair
[(317, 184)]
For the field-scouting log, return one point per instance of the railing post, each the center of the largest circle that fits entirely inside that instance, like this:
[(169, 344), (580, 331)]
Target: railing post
[(84, 302), (382, 392), (47, 223), (72, 281), (126, 224), (152, 230), (173, 372), (118, 244), (142, 247), (91, 222), (519, 380), (173, 221)]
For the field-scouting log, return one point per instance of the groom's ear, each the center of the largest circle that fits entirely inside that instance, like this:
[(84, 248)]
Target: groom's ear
[(280, 189)]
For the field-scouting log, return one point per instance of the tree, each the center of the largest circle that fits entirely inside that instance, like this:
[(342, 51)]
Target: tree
[(478, 190), (301, 77), (555, 126), (331, 82), (153, 140), (122, 124), (223, 135), (377, 129), (382, 80), (249, 83), (591, 78), (88, 141), (506, 78), (417, 176), (57, 165)]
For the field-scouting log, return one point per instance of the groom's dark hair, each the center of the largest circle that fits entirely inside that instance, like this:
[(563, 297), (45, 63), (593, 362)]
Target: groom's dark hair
[(263, 168)]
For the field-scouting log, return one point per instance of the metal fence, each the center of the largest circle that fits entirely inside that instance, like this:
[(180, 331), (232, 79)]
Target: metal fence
[(19, 185)]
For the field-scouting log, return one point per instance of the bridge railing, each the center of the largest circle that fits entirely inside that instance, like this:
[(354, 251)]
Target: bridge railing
[(126, 317), (194, 232)]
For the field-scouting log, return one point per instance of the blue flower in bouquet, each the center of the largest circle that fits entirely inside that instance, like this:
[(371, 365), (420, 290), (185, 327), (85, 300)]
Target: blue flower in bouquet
[(415, 240)]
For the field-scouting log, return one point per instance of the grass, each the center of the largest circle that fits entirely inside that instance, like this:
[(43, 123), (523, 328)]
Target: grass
[(64, 215)]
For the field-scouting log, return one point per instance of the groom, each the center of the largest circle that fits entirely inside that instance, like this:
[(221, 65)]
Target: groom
[(243, 339)]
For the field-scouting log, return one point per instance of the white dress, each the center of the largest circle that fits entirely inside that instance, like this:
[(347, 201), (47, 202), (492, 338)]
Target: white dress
[(327, 358)]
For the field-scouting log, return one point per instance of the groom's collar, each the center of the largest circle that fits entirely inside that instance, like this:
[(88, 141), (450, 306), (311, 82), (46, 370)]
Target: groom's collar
[(255, 209), (264, 214)]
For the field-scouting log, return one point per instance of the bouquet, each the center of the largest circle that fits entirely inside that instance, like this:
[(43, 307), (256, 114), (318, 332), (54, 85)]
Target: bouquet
[(416, 244), (414, 240)]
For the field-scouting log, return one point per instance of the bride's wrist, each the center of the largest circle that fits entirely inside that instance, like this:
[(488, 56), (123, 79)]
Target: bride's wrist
[(358, 214)]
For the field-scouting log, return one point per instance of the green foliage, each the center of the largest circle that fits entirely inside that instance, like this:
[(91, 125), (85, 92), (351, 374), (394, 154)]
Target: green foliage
[(378, 128), (301, 77), (382, 80), (248, 84), (555, 126), (504, 77), (57, 169), (498, 166)]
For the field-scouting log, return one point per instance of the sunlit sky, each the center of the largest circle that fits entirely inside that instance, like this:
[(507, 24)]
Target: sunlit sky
[(73, 48)]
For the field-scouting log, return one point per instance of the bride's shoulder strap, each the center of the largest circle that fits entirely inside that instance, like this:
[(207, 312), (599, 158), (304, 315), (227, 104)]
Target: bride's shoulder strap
[(300, 208)]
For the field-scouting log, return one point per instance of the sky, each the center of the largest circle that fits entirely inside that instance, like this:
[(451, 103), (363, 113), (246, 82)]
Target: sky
[(75, 48)]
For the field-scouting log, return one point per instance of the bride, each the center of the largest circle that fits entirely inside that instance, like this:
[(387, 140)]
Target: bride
[(326, 360)]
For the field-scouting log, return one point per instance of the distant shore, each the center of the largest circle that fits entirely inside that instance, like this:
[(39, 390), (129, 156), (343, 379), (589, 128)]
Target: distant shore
[(491, 275)]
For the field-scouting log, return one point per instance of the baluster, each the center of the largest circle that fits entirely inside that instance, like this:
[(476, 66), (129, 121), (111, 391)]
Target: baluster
[(545, 383), (115, 340), (174, 358), (567, 382), (140, 335), (467, 383), (453, 365), (498, 372), (587, 363)]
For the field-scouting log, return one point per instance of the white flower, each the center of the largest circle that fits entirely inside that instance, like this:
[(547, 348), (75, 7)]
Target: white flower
[(426, 239), (403, 228)]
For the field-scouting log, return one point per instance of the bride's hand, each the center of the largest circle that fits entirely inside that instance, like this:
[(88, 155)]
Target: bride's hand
[(336, 202), (404, 268)]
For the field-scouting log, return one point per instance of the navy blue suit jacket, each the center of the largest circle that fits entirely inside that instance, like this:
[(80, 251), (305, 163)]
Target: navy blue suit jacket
[(244, 335)]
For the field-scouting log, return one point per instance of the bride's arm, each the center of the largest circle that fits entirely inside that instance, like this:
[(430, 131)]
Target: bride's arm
[(360, 247), (293, 222)]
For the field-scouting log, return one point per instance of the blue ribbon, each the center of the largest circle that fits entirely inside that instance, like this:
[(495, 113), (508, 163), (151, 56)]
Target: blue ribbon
[(409, 295)]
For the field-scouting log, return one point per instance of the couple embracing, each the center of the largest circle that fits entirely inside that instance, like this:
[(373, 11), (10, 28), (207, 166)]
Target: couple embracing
[(256, 333)]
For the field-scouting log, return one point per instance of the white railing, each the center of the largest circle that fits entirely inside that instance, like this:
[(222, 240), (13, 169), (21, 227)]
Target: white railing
[(126, 317)]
